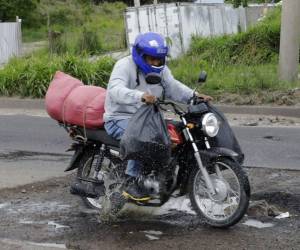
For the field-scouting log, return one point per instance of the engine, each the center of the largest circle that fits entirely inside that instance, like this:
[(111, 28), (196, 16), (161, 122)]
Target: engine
[(151, 183)]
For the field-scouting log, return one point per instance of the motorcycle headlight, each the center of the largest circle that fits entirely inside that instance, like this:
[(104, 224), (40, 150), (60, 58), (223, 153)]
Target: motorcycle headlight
[(210, 124)]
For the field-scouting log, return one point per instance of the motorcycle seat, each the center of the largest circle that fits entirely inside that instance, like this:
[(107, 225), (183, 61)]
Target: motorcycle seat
[(100, 135)]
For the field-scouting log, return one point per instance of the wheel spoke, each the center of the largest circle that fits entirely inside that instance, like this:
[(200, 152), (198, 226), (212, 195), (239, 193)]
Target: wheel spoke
[(218, 172), (235, 193)]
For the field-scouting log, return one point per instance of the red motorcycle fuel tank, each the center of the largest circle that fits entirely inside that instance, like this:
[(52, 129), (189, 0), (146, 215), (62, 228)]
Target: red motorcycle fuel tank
[(175, 136)]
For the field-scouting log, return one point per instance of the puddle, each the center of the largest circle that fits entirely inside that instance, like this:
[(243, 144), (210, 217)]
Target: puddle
[(272, 138), (33, 208), (283, 215), (30, 155), (17, 244), (153, 232), (151, 237), (3, 205), (56, 225), (29, 222), (54, 245), (50, 223), (257, 224), (176, 211), (181, 204)]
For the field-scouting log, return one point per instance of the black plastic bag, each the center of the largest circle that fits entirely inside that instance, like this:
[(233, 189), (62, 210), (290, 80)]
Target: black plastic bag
[(146, 137), (225, 137)]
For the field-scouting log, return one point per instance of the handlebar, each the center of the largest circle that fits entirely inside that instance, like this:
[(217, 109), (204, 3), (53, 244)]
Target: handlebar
[(177, 109)]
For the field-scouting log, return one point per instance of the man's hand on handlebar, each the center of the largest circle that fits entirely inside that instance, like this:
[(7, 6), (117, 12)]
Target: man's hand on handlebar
[(149, 99)]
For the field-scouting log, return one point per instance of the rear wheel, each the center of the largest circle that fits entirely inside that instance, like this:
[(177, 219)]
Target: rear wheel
[(230, 202), (111, 200)]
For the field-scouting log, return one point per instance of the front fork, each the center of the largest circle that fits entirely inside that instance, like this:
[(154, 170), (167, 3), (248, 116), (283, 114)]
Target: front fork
[(189, 137)]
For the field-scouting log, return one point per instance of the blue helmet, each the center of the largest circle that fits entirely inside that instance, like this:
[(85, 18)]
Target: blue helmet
[(152, 44)]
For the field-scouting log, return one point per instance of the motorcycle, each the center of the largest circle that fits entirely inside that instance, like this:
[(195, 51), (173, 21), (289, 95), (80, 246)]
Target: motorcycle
[(212, 177)]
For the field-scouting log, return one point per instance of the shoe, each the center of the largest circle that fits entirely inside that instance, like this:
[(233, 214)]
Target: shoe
[(134, 191)]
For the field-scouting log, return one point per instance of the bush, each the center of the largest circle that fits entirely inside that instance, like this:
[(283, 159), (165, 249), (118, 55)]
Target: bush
[(260, 44), (23, 8), (30, 77)]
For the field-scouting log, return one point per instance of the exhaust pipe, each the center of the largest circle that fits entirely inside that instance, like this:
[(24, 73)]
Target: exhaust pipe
[(87, 190)]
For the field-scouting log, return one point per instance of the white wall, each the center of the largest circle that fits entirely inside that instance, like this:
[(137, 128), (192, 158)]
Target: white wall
[(180, 21), (10, 40)]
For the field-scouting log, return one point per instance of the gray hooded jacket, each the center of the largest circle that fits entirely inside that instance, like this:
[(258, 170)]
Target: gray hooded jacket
[(124, 93)]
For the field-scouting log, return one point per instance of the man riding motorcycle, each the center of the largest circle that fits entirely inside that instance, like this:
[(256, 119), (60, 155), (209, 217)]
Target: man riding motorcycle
[(140, 77)]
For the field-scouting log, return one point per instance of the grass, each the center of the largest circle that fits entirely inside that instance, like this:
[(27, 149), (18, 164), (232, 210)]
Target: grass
[(239, 84), (30, 77), (70, 20), (239, 79)]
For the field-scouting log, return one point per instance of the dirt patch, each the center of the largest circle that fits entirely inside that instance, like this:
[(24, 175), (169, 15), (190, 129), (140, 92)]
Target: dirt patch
[(262, 120), (282, 98)]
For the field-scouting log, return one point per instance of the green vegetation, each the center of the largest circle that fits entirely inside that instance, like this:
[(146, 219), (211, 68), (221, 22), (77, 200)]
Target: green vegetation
[(30, 77), (245, 64), (260, 44), (75, 29), (25, 9), (78, 27), (242, 68), (244, 3)]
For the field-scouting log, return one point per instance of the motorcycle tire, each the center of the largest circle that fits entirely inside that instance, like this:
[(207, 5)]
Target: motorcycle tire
[(83, 172), (242, 184)]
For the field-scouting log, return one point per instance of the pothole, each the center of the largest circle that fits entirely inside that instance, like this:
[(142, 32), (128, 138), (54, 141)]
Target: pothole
[(30, 155), (272, 138), (274, 204)]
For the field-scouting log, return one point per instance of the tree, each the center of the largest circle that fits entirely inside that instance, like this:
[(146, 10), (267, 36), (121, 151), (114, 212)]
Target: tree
[(238, 3), (22, 8)]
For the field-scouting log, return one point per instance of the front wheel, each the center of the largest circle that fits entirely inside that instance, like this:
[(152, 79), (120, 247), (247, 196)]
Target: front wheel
[(232, 192)]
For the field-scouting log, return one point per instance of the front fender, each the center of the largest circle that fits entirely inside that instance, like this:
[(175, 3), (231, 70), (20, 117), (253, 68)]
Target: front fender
[(217, 152)]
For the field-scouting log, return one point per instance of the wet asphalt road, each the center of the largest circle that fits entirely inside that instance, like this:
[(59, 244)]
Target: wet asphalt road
[(276, 147), (45, 216)]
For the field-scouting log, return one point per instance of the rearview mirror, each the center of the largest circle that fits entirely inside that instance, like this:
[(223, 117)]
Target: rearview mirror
[(202, 77)]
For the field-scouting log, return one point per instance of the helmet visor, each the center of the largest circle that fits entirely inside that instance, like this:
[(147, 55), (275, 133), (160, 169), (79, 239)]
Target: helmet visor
[(154, 61)]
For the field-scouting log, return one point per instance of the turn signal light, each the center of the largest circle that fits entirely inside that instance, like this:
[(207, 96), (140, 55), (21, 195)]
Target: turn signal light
[(190, 125)]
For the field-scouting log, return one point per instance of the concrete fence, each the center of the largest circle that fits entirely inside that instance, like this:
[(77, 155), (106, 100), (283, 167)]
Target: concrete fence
[(179, 21), (10, 40)]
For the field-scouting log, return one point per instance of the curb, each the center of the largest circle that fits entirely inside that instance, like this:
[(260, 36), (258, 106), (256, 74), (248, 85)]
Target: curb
[(38, 104), (261, 110), (19, 103)]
